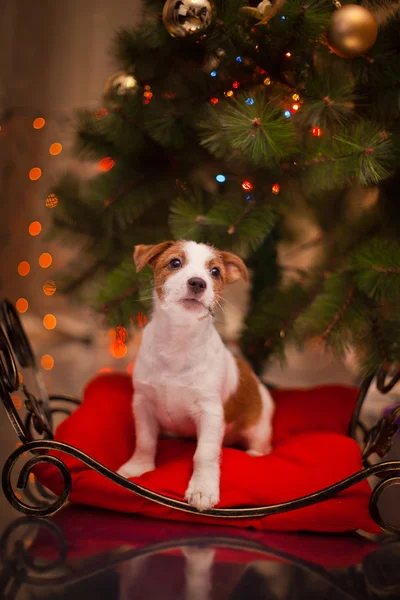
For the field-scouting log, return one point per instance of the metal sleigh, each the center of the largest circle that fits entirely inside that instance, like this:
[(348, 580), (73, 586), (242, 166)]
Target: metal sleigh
[(37, 440)]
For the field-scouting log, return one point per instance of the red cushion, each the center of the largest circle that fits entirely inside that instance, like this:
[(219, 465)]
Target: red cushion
[(311, 451)]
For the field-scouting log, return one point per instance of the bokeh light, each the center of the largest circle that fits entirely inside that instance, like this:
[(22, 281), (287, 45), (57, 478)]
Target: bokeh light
[(38, 123), (51, 201), (35, 174), (47, 362), (49, 287), (35, 228), (45, 260), (49, 321), (23, 268), (22, 305), (55, 149)]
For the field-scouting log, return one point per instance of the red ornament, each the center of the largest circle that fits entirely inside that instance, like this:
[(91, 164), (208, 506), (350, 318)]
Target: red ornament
[(214, 101), (276, 188), (316, 131), (247, 186)]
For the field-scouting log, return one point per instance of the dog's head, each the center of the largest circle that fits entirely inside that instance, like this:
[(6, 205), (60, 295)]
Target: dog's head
[(189, 278)]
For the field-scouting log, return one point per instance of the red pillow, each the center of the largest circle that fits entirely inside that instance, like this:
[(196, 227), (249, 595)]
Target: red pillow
[(311, 451)]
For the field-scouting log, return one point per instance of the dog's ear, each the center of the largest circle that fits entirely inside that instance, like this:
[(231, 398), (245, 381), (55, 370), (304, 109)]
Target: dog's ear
[(235, 267), (147, 255)]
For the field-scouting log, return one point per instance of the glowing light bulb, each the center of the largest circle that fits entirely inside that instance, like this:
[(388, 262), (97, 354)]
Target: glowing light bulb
[(267, 81), (316, 131), (214, 101), (220, 178), (247, 185), (213, 73), (106, 164), (276, 188), (236, 84), (296, 97), (287, 113), (288, 54), (239, 59), (249, 101), (295, 107)]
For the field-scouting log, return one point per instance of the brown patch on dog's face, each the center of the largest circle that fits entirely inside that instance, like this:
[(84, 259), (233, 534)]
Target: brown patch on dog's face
[(162, 269)]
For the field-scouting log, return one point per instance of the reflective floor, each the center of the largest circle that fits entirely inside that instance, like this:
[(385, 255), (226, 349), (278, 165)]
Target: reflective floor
[(83, 553)]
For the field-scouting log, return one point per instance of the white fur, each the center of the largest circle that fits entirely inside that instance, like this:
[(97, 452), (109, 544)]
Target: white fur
[(183, 375)]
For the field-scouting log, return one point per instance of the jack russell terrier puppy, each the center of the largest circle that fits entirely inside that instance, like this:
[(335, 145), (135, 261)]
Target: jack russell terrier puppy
[(187, 383)]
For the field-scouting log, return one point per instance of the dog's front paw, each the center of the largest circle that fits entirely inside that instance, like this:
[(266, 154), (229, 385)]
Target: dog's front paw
[(202, 493), (135, 468)]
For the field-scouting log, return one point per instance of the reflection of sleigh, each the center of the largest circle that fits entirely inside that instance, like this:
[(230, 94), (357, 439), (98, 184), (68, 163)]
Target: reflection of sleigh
[(58, 554), (42, 408)]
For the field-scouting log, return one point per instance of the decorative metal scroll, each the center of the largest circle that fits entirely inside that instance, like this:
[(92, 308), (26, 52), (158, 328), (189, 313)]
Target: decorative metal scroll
[(41, 410)]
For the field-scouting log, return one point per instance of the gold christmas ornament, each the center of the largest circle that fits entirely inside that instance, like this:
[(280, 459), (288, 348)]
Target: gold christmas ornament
[(188, 18), (352, 32), (120, 84), (264, 11)]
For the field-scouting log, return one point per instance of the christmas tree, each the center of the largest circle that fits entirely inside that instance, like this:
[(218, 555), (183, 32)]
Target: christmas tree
[(220, 120)]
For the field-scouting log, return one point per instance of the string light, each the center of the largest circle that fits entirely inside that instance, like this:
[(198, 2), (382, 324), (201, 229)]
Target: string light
[(35, 174), (49, 321), (214, 101), (45, 260), (288, 54), (38, 123), (148, 95), (47, 362), (106, 164), (213, 73), (250, 198), (276, 188), (100, 113), (296, 97), (249, 101), (247, 185), (229, 93), (220, 178), (316, 131), (235, 84), (35, 228), (49, 288), (55, 149), (23, 268), (295, 107), (287, 113), (22, 305), (283, 18), (239, 59), (118, 350), (51, 201), (267, 81)]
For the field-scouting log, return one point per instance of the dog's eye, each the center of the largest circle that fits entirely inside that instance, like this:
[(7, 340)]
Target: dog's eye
[(175, 263), (215, 272)]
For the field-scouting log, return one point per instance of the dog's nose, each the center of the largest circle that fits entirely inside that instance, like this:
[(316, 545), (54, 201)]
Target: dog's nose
[(196, 285)]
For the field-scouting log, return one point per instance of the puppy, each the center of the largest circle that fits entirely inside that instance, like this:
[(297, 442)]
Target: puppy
[(186, 381)]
